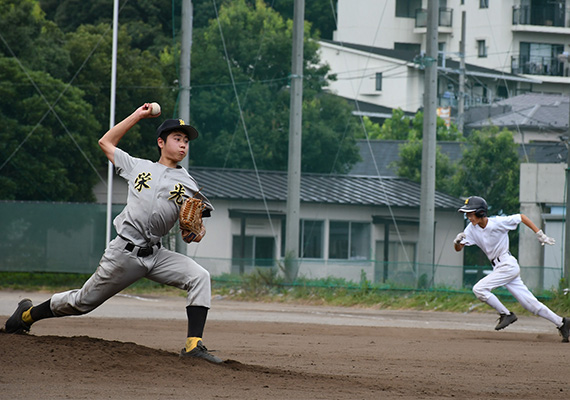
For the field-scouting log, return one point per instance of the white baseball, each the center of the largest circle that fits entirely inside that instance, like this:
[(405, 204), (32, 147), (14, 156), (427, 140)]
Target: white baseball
[(154, 109)]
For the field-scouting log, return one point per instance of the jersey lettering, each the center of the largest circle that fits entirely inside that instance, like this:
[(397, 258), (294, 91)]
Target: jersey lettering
[(178, 194), (141, 181)]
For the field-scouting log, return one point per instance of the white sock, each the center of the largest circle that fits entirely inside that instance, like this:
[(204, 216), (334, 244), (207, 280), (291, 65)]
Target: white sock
[(494, 302), (546, 313)]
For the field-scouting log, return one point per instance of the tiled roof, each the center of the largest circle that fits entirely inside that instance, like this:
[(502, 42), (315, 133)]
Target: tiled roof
[(238, 184), (386, 153), (530, 111)]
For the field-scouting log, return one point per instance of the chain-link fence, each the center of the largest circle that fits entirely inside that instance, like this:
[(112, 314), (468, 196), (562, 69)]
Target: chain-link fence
[(52, 237), (70, 237)]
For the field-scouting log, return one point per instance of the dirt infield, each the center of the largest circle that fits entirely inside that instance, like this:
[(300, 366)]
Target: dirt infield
[(119, 358)]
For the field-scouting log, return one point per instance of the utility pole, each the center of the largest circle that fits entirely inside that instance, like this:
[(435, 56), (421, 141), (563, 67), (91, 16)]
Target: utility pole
[(427, 201), (567, 222), (295, 140), (461, 103), (110, 167), (184, 96)]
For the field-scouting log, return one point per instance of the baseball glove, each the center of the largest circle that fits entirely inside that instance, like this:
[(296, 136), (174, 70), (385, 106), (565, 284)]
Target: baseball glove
[(190, 219)]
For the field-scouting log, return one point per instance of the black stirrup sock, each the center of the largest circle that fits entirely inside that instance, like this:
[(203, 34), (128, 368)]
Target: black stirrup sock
[(41, 311), (196, 320)]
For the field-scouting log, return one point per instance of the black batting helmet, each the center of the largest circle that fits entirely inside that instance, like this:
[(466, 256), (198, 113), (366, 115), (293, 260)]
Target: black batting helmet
[(475, 204)]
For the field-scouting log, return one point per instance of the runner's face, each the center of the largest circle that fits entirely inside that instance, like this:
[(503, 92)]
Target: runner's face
[(473, 218)]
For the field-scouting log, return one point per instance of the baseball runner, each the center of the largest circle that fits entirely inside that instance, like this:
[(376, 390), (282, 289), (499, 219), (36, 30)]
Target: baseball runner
[(156, 190), (491, 235)]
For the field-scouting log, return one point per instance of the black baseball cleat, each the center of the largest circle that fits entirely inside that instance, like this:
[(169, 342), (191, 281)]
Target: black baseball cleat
[(200, 351), (505, 320), (564, 330), (15, 324)]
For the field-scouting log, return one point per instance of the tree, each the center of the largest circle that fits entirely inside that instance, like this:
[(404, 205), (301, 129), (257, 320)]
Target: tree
[(41, 158), (490, 168), (139, 79), (33, 40), (320, 13), (409, 165), (258, 43), (66, 47)]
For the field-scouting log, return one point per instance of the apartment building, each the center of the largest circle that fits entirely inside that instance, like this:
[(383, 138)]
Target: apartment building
[(511, 47)]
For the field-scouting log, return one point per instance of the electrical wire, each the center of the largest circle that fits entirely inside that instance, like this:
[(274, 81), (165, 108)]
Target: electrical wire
[(50, 109), (244, 126), (50, 106), (357, 106)]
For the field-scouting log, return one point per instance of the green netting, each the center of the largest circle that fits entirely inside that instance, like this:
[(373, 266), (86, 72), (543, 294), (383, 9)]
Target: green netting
[(70, 237), (52, 237)]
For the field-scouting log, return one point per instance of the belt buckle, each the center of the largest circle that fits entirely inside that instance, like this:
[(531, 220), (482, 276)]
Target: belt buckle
[(144, 251)]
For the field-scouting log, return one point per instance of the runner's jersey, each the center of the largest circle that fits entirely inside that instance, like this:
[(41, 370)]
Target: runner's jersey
[(493, 239)]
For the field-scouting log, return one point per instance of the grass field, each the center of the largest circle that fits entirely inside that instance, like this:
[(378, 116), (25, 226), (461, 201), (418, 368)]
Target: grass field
[(268, 287)]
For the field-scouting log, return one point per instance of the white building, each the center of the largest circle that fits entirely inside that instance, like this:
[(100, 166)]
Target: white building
[(517, 44), (350, 226)]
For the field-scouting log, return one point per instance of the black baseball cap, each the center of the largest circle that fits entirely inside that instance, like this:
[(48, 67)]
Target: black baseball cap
[(177, 125)]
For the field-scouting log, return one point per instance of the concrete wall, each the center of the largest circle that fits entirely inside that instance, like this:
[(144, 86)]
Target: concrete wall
[(542, 197)]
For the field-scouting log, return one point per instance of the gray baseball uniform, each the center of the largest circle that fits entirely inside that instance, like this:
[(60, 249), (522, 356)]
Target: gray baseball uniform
[(154, 197)]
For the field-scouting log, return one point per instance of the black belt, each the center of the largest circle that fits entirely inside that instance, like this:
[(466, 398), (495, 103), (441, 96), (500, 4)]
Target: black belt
[(498, 259), (143, 251)]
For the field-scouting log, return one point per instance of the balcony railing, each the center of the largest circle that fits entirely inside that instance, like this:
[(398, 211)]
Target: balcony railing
[(445, 18), (545, 15), (537, 65)]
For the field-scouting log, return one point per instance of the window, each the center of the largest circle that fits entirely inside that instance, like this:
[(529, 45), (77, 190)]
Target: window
[(483, 3), (257, 251), (407, 8), (502, 92), (481, 49), (398, 265), (379, 81), (541, 59), (349, 240), (441, 56), (311, 239), (413, 47)]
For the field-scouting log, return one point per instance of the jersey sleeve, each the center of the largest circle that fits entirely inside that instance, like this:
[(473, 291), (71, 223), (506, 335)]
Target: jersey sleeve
[(510, 222), (124, 162)]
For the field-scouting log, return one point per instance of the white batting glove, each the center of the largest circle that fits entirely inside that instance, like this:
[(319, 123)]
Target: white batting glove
[(543, 239), (459, 238)]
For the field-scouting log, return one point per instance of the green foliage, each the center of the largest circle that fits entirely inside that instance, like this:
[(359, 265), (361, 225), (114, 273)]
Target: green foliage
[(338, 292), (402, 127), (257, 41), (266, 285), (35, 41), (134, 85), (45, 158), (409, 165), (52, 153), (490, 168), (399, 127), (63, 48), (319, 12)]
